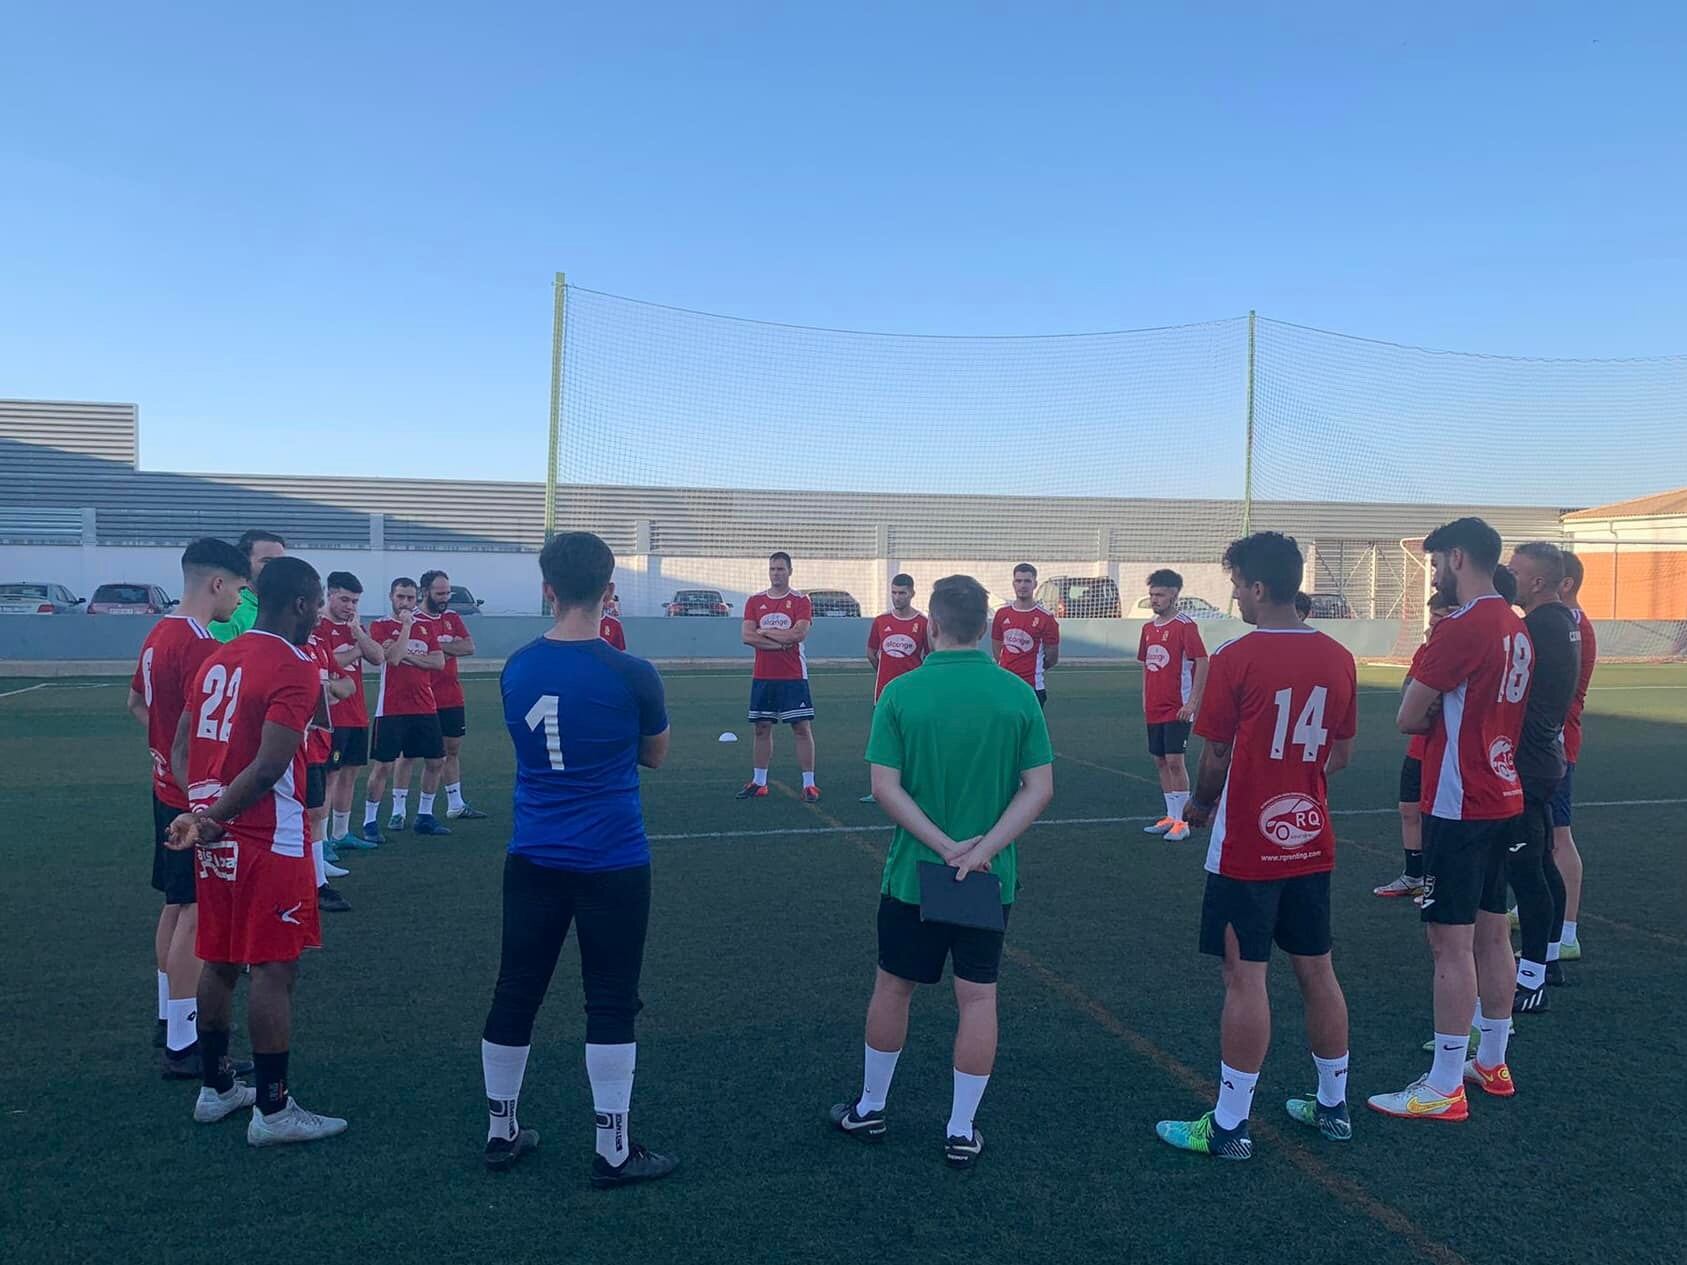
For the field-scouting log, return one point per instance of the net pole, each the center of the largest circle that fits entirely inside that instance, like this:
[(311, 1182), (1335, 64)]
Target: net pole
[(1248, 453), (559, 311)]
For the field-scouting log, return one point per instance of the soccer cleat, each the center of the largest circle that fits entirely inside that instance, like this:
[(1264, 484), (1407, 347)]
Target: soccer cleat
[(330, 851), (1418, 1101), (1178, 833), (1570, 951), (963, 1152), (1512, 918), (395, 823), (1160, 827), (502, 1153), (365, 840), (291, 1124), (869, 1128), (212, 1106), (1400, 885), (752, 790), (867, 799), (641, 1165), (1204, 1137), (190, 1068), (811, 794), (330, 901), (468, 812), (428, 824), (1333, 1122), (332, 870), (1530, 1001), (1493, 1080), (1555, 977)]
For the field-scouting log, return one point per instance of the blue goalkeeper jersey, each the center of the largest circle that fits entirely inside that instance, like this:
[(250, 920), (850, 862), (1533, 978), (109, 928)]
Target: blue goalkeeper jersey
[(576, 712)]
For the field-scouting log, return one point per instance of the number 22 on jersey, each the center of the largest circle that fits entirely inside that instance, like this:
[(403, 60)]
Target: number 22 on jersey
[(221, 693)]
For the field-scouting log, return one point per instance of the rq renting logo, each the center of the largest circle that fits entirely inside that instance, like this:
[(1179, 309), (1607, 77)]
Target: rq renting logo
[(1291, 821)]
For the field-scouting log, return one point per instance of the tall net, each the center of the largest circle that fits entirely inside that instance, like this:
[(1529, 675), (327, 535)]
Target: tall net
[(697, 444)]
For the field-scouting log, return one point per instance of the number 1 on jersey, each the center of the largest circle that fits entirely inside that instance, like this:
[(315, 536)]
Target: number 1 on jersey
[(543, 714), (1309, 726)]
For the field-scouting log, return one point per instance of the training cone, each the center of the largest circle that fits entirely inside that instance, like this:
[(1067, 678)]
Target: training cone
[(729, 737)]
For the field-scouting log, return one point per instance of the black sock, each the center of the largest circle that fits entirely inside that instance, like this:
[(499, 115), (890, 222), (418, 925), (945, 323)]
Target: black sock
[(188, 1051), (1414, 864), (271, 1071), (213, 1048)]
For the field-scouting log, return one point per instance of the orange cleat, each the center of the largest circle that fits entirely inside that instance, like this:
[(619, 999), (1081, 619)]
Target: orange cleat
[(1493, 1080)]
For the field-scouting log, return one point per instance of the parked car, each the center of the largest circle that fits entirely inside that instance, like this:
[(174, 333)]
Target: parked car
[(1079, 597), (37, 599), (834, 603), (130, 599), (464, 602), (1194, 607), (1330, 606), (699, 602)]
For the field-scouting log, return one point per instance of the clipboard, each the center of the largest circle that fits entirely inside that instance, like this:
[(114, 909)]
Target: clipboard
[(323, 718), (976, 901)]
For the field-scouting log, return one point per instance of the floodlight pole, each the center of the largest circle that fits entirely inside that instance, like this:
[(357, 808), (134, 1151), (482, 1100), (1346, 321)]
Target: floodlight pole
[(559, 312)]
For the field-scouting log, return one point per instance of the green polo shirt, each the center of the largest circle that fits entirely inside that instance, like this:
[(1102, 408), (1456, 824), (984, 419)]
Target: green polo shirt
[(961, 731), (245, 615)]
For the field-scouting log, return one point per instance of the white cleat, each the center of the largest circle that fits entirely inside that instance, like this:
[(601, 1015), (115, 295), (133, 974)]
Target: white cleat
[(1178, 833), (334, 871), (1160, 827), (212, 1106), (291, 1124)]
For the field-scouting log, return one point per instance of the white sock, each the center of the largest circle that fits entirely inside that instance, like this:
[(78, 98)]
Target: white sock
[(399, 799), (1569, 936), (1553, 950), (163, 995), (503, 1066), (1332, 1080), (758, 776), (1530, 974), (183, 1011), (808, 779), (875, 1079), (454, 795), (1177, 801), (342, 824), (1495, 1034), (318, 861), (1235, 1096), (1171, 803), (964, 1105), (424, 804), (1447, 1072), (371, 811), (610, 1068)]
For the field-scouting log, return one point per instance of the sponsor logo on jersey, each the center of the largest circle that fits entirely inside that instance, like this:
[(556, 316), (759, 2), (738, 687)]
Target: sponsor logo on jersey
[(1292, 821), (219, 860), (899, 646), (776, 619), (1502, 758), (1018, 640), (1158, 657)]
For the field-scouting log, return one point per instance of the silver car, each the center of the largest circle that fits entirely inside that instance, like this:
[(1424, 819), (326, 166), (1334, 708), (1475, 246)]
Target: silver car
[(28, 598)]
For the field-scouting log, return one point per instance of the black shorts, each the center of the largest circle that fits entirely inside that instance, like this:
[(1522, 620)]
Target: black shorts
[(912, 949), (1464, 867), (1411, 780), (172, 872), (1169, 737), (1563, 797), (1293, 913), (453, 722), (316, 785), (413, 737), (780, 702), (351, 749)]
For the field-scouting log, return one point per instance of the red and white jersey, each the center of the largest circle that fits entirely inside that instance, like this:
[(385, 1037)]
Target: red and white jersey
[(1590, 656), (1480, 660), (770, 613), (254, 679), (448, 627), (609, 628), (1280, 696), (1023, 635), (1168, 653), (901, 645), (171, 654), (352, 712), (319, 743), (406, 690)]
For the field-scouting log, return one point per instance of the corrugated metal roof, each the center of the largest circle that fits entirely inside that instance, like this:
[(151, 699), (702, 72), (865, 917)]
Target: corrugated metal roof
[(1656, 505), (110, 432)]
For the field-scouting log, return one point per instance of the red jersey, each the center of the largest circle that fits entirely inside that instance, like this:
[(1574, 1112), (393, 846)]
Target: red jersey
[(1280, 696), (171, 654), (1480, 660), (1590, 655), (1168, 653), (406, 690), (254, 679), (447, 689), (609, 628), (901, 645), (1023, 635), (353, 712), (767, 612), (319, 743), (1416, 744)]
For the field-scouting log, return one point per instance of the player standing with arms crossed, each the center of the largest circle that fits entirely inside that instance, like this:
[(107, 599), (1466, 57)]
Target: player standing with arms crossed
[(239, 749), (457, 643), (1024, 637), (776, 623), (1280, 714), (1174, 675), (406, 713), (897, 642), (352, 647)]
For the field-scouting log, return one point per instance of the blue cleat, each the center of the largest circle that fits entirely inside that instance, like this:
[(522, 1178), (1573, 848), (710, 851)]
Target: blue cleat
[(428, 824)]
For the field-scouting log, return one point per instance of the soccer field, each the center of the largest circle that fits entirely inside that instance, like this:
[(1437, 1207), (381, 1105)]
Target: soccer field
[(759, 965)]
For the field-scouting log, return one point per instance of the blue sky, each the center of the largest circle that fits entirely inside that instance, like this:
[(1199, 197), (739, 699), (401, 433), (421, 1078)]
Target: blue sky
[(319, 239)]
